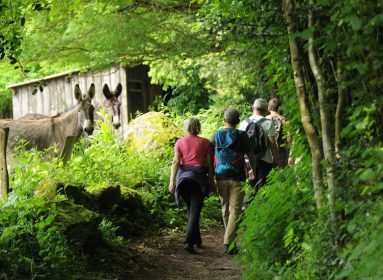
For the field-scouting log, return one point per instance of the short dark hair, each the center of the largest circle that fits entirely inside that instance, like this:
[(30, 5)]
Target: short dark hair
[(274, 104), (231, 116)]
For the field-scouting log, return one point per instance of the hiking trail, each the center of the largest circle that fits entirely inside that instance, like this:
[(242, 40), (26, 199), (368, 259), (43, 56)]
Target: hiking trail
[(167, 259)]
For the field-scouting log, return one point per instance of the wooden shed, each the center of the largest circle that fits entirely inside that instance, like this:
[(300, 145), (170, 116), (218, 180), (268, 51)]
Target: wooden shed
[(58, 94)]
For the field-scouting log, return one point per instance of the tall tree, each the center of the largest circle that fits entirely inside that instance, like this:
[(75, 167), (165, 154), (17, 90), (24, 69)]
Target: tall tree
[(326, 119), (300, 84)]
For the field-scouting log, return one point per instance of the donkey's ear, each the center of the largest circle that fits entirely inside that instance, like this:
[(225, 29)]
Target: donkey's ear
[(118, 90), (91, 91), (106, 92), (77, 93)]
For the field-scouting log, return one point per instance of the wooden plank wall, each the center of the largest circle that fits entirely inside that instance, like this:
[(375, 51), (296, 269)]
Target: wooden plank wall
[(58, 95)]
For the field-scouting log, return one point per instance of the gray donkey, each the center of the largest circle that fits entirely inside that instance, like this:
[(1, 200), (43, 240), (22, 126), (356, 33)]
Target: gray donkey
[(41, 132)]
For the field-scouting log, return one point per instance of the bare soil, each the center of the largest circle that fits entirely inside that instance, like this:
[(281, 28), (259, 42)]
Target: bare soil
[(171, 261), (164, 257)]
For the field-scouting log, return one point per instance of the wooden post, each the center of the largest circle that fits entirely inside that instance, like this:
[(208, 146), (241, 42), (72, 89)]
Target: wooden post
[(67, 149), (4, 180)]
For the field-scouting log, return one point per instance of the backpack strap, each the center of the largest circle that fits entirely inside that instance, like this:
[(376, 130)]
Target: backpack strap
[(249, 121), (261, 120)]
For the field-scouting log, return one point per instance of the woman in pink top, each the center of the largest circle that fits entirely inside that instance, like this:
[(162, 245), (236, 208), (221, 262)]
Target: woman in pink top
[(193, 162)]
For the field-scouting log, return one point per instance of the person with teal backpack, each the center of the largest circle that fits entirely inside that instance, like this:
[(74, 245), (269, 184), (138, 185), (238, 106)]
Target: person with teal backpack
[(230, 147)]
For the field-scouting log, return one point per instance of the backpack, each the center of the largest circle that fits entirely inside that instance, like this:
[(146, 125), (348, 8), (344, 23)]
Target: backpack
[(279, 131), (257, 137), (228, 159)]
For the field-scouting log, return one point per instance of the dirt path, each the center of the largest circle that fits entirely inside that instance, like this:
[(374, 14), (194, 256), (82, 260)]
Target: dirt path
[(167, 259)]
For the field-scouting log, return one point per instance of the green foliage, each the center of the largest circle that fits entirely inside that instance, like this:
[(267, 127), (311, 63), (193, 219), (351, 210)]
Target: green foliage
[(32, 243), (215, 54), (361, 205), (362, 256), (191, 98), (12, 23), (117, 22), (109, 234), (106, 162), (275, 223), (8, 76), (211, 214)]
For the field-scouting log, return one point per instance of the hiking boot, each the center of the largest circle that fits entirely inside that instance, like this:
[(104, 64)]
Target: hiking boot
[(190, 248), (226, 246), (231, 250), (199, 245)]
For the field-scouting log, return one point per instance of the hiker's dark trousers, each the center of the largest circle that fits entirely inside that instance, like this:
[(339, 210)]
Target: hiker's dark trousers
[(263, 169), (191, 193)]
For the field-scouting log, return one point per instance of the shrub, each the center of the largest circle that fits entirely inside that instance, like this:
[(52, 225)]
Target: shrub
[(274, 224), (32, 244)]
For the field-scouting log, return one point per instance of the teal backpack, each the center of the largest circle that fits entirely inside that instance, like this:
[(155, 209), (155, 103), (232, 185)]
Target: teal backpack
[(229, 162)]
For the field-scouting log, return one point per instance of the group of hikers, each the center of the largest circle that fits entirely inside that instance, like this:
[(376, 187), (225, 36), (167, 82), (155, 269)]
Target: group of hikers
[(223, 164)]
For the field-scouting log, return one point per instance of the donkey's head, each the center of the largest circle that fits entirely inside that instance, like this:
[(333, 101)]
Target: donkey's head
[(85, 107), (112, 103)]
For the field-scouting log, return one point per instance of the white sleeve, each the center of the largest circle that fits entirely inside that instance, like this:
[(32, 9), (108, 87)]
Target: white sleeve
[(243, 125)]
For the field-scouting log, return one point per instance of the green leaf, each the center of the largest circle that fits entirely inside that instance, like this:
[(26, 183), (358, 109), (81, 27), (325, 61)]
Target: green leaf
[(368, 175), (361, 67), (361, 126), (356, 23), (306, 34), (306, 246), (351, 227)]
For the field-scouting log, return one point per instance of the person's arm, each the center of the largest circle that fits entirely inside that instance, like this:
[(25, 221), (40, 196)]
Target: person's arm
[(272, 143), (274, 149), (174, 171), (210, 167), (248, 149), (288, 143), (252, 161)]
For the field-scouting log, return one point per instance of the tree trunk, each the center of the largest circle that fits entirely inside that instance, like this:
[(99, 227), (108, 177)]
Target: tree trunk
[(310, 132), (325, 118), (339, 109), (4, 181)]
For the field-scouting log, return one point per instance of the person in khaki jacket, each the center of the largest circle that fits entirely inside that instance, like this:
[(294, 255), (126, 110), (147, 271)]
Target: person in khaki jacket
[(280, 123), (230, 147)]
